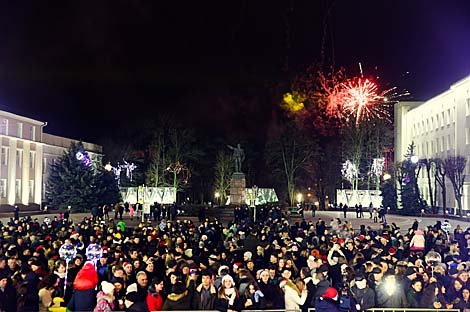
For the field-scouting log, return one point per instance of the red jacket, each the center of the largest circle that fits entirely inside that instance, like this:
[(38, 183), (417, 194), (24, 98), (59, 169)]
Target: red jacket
[(154, 303)]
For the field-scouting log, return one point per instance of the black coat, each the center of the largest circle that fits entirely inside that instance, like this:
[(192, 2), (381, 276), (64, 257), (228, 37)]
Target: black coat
[(364, 297), (83, 300), (222, 304), (209, 305), (8, 298)]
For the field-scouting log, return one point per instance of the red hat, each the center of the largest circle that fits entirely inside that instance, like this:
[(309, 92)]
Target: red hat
[(361, 237), (48, 237), (392, 251), (330, 293), (39, 248), (237, 265), (340, 241), (74, 233), (126, 264)]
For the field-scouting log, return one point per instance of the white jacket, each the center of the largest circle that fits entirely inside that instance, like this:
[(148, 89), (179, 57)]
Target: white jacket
[(292, 299), (418, 241)]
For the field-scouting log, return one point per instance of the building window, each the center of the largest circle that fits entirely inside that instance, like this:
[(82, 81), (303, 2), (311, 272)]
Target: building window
[(19, 129), (468, 107), (432, 147), (18, 188), (449, 146), (31, 188), (5, 126), (32, 159), (467, 135), (32, 133), (442, 119), (19, 158), (5, 151), (3, 187), (44, 165), (427, 148), (437, 121), (448, 117), (442, 144)]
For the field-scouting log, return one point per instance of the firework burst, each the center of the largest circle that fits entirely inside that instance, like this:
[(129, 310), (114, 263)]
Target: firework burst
[(361, 101)]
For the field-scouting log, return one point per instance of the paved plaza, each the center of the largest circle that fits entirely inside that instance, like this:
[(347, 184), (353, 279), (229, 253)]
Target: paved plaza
[(404, 222)]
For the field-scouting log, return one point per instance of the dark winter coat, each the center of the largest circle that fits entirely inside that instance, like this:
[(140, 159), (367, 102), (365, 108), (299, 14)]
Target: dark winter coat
[(364, 297), (178, 302), (210, 304), (221, 304), (83, 300), (326, 305), (311, 294), (8, 298), (273, 295)]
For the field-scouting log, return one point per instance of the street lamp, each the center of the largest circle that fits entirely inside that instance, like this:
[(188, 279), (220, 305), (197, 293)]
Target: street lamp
[(254, 196), (414, 159), (217, 196), (387, 177), (299, 197), (108, 167)]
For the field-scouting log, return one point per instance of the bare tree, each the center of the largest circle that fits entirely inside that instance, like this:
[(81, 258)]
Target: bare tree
[(222, 174), (455, 167), (440, 176), (430, 166)]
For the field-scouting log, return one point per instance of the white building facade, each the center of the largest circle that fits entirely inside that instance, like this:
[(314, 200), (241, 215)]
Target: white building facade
[(26, 153), (439, 128)]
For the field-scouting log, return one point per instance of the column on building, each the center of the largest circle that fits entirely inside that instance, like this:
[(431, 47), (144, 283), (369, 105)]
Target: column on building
[(11, 178), (38, 174), (25, 174)]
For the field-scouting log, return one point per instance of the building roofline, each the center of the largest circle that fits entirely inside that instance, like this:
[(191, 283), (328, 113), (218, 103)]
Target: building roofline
[(22, 118), (460, 82)]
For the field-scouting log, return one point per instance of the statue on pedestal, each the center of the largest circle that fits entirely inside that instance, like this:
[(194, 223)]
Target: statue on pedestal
[(238, 156)]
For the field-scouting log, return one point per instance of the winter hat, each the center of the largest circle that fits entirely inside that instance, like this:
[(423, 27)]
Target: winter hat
[(330, 293), (419, 232), (227, 277), (223, 267), (87, 278), (107, 287), (248, 254)]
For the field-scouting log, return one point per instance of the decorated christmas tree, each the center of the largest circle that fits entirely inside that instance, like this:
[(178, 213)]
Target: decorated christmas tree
[(107, 188), (410, 197), (72, 180)]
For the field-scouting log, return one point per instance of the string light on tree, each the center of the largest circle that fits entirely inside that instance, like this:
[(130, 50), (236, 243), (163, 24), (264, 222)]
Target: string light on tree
[(350, 171)]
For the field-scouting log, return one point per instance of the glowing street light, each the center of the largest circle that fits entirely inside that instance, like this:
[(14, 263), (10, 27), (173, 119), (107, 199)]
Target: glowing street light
[(217, 197), (299, 197), (387, 177), (414, 159), (108, 167)]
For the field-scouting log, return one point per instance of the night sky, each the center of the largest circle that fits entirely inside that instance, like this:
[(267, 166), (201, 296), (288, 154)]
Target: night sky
[(90, 67)]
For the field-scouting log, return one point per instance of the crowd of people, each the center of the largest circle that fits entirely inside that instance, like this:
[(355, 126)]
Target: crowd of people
[(241, 265)]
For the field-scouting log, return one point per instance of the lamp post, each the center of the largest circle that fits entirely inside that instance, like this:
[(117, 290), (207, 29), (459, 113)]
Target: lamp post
[(217, 197), (254, 196)]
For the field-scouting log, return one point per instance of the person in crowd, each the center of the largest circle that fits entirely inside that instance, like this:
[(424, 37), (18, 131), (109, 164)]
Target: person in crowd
[(105, 298), (155, 297), (47, 287), (205, 294), (328, 302), (415, 293), (253, 298), (293, 296), (178, 299), (84, 293), (7, 294), (228, 299), (364, 296)]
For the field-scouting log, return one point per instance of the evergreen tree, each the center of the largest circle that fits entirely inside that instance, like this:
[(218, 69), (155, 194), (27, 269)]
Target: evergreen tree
[(389, 194), (107, 189), (72, 180), (410, 197)]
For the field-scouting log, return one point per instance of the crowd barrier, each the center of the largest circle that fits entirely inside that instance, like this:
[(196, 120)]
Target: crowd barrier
[(313, 309)]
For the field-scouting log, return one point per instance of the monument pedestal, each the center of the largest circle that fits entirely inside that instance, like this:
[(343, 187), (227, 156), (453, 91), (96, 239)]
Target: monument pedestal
[(238, 189)]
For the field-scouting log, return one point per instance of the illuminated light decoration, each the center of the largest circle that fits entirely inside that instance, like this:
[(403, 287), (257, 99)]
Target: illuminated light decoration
[(84, 158), (293, 102), (130, 167), (178, 169), (350, 171), (377, 167)]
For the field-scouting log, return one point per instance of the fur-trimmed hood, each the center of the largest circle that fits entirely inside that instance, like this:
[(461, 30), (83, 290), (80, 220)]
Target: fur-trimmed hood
[(212, 289), (176, 297)]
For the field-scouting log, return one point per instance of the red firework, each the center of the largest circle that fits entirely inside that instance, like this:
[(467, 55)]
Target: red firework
[(360, 100)]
